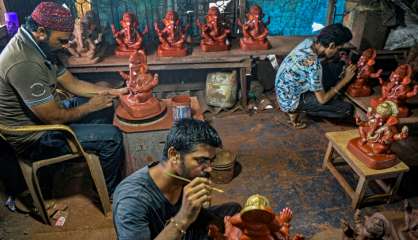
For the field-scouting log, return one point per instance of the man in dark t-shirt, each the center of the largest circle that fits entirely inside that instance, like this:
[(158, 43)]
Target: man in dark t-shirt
[(29, 75), (150, 204)]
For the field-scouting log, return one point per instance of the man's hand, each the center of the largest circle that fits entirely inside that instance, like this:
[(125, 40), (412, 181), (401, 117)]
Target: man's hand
[(349, 73), (114, 92), (195, 194), (99, 102)]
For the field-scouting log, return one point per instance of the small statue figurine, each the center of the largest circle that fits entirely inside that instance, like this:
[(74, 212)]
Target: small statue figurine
[(376, 226), (87, 45), (411, 223), (214, 33), (256, 221), (128, 39), (254, 30), (139, 102), (172, 37), (360, 86), (377, 134), (398, 89)]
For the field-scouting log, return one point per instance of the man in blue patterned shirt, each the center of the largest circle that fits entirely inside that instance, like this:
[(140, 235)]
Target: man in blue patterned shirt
[(299, 80)]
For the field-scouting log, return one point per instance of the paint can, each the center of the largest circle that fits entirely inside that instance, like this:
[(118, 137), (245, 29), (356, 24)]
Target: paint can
[(181, 107), (223, 167)]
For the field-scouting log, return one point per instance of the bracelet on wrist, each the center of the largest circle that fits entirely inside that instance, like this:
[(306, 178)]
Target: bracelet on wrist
[(177, 226)]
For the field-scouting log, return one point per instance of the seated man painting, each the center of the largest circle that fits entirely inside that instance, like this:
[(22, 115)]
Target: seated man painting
[(29, 75), (300, 85), (152, 204)]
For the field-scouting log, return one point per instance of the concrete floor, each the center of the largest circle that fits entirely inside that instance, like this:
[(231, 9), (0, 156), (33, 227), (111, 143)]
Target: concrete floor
[(281, 163)]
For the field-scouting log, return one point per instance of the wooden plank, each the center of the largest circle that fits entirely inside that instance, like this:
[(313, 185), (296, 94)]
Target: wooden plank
[(328, 155), (385, 187), (281, 45), (360, 190), (340, 178), (331, 11), (375, 197), (340, 140)]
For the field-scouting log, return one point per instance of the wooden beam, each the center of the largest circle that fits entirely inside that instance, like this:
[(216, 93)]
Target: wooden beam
[(331, 11), (242, 9)]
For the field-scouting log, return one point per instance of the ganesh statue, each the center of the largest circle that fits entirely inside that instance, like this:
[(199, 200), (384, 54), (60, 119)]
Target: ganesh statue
[(214, 32), (139, 105), (256, 221), (375, 226), (398, 89), (360, 86), (410, 228), (254, 30), (172, 37), (377, 134), (87, 45), (128, 39)]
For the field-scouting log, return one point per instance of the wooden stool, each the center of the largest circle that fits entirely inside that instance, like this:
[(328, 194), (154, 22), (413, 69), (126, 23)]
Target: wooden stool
[(338, 141)]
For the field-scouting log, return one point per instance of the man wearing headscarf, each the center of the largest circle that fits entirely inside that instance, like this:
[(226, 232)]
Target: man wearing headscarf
[(28, 79)]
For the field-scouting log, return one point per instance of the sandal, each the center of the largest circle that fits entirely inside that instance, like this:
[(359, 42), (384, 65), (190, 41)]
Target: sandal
[(295, 122), (297, 125)]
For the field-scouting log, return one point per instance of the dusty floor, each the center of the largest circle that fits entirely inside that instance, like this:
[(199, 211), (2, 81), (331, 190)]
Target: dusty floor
[(278, 162)]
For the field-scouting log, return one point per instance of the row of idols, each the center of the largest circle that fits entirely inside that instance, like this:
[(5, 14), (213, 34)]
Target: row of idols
[(380, 129), (397, 89), (86, 46)]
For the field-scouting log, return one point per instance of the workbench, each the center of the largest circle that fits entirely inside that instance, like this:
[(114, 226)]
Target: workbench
[(338, 144), (196, 60)]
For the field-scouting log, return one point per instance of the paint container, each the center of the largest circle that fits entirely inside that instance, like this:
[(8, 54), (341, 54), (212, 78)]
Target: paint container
[(12, 22), (181, 107), (223, 167)]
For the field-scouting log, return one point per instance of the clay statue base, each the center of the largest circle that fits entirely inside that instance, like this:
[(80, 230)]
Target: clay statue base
[(377, 161), (214, 48), (141, 111), (125, 53), (403, 110), (254, 45), (175, 52), (82, 60), (362, 91)]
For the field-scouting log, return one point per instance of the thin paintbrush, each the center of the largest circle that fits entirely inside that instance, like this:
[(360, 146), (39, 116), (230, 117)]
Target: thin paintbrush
[(188, 180)]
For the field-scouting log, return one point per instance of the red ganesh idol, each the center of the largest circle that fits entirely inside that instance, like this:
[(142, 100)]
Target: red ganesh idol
[(377, 134), (254, 30), (214, 32), (398, 90), (360, 86), (139, 103), (172, 37), (128, 39)]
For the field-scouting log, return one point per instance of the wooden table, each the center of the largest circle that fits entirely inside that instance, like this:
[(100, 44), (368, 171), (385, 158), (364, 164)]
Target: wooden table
[(146, 144), (363, 103), (233, 59), (338, 142)]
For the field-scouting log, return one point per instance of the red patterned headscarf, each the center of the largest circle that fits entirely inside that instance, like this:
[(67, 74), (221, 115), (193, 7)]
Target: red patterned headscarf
[(53, 16)]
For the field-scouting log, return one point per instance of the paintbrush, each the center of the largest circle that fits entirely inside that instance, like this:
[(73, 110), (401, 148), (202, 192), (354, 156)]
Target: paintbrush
[(188, 180)]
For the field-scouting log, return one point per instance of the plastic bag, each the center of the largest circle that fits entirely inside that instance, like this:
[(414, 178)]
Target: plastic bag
[(221, 89)]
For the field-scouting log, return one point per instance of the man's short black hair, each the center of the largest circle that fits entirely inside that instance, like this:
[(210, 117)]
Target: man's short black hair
[(186, 134), (336, 33)]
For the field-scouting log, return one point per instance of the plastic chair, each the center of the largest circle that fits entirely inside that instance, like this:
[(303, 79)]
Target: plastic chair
[(30, 168)]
